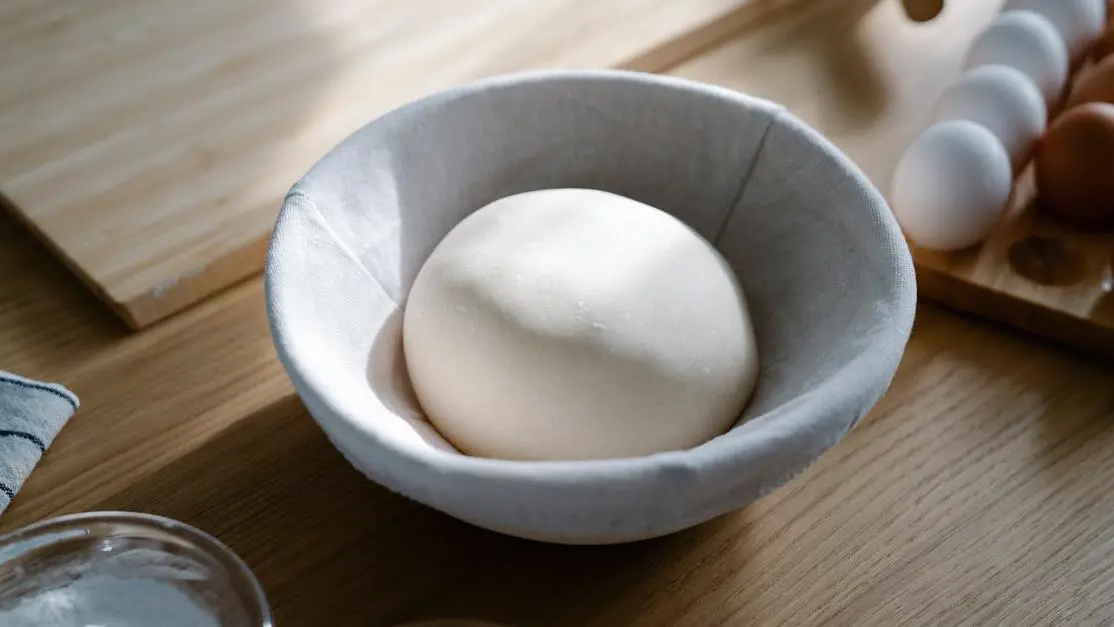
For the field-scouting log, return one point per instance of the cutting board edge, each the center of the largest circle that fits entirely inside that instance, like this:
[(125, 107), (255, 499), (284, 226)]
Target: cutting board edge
[(242, 262)]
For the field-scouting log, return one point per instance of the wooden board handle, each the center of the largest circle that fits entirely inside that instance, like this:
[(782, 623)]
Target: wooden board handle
[(922, 10)]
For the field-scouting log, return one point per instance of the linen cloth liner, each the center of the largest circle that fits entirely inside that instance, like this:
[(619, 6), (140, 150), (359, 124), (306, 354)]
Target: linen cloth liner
[(826, 271)]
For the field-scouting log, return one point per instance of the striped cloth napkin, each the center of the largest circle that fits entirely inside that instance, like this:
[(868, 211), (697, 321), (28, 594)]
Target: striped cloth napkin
[(31, 415)]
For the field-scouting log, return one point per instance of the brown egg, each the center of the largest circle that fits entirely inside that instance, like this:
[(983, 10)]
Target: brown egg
[(1104, 46), (1074, 166), (1097, 85)]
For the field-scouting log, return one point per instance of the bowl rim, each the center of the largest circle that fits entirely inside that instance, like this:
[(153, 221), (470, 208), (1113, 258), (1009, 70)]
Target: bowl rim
[(842, 391), (206, 542)]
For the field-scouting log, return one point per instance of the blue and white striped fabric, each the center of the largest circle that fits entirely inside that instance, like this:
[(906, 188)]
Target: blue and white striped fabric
[(31, 415)]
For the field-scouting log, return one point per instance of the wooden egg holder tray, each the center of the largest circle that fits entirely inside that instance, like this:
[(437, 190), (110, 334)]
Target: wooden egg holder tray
[(1031, 273)]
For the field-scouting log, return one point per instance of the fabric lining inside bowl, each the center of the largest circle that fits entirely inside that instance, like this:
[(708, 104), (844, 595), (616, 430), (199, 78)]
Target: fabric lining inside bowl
[(826, 272)]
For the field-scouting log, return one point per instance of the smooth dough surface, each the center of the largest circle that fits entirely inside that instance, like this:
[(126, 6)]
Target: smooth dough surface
[(577, 324)]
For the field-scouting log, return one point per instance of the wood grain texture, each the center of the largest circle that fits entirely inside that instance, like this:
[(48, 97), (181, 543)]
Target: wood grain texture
[(976, 492), (150, 142), (868, 78)]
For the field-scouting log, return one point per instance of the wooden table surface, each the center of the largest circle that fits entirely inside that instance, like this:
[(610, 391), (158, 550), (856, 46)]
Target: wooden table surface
[(150, 140), (977, 491)]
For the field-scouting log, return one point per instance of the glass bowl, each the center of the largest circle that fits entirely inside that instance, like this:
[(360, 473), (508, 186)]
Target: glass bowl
[(124, 569)]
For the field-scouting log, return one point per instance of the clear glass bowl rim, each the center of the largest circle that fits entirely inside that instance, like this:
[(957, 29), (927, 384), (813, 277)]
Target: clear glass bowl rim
[(206, 542)]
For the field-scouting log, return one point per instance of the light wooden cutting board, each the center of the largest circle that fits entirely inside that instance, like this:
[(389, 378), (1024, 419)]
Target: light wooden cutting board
[(150, 142)]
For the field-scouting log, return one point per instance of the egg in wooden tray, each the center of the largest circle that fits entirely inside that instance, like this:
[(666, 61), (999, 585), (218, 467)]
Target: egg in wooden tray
[(1007, 195)]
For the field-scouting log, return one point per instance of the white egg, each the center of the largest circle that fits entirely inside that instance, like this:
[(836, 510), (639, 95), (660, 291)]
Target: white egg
[(1080, 22), (1004, 101), (1029, 43), (951, 186)]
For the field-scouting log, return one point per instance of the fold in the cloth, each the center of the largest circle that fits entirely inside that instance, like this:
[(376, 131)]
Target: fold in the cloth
[(31, 415)]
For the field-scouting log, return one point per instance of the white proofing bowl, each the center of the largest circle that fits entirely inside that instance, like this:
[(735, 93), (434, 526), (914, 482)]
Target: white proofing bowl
[(827, 274)]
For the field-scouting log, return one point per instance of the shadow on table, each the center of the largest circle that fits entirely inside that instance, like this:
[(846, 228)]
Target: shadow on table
[(332, 548), (44, 308)]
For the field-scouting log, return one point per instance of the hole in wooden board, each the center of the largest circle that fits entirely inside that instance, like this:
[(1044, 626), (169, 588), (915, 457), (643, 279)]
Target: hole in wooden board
[(1048, 260)]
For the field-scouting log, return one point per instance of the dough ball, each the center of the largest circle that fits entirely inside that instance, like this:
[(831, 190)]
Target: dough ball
[(573, 324)]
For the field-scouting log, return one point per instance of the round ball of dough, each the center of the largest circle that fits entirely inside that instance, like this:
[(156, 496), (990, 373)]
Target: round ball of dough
[(577, 324)]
